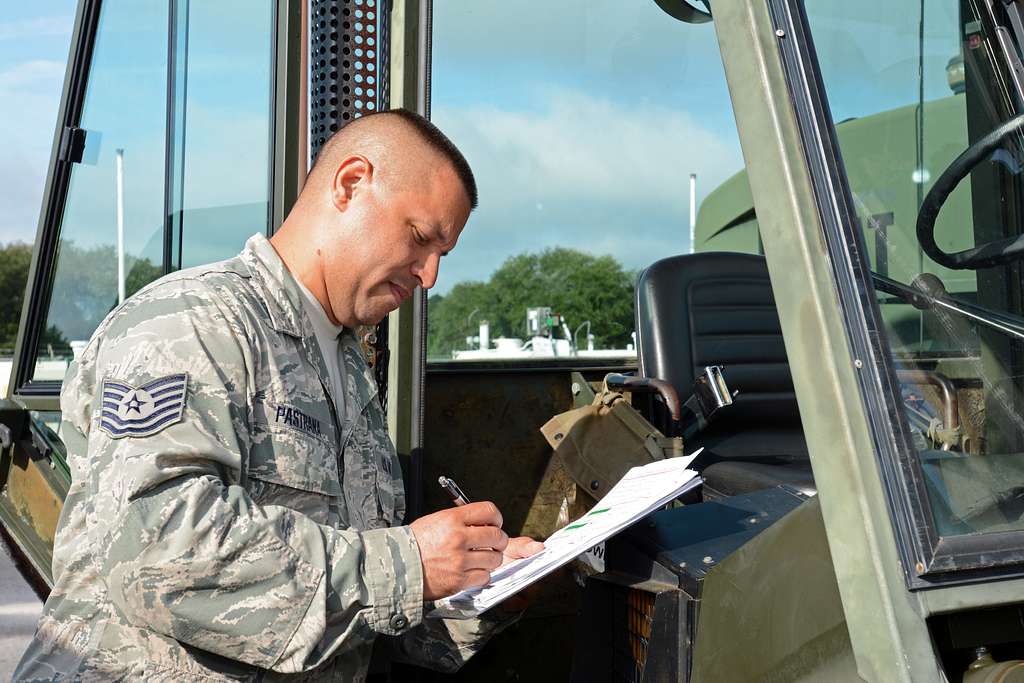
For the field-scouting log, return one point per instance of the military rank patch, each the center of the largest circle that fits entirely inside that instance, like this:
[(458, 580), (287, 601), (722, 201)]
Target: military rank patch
[(145, 410)]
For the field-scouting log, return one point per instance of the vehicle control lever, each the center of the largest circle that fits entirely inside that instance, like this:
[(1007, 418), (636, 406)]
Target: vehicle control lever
[(709, 394)]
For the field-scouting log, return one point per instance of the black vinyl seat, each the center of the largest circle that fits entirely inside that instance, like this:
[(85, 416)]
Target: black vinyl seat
[(717, 308)]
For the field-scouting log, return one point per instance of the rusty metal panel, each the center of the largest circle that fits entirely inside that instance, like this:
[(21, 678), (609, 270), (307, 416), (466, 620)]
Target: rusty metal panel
[(483, 430)]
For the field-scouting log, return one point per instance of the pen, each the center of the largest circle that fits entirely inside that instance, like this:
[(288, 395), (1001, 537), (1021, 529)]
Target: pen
[(449, 485)]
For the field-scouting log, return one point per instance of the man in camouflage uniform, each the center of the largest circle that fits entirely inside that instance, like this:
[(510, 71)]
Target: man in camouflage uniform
[(232, 514)]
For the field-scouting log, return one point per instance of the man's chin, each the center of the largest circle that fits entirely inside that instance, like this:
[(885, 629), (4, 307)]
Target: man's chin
[(376, 317)]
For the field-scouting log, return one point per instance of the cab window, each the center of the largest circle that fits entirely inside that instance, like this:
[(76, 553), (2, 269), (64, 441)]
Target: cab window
[(175, 166), (911, 86), (584, 159)]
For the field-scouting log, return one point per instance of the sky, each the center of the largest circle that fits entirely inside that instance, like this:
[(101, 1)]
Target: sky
[(34, 39), (583, 119)]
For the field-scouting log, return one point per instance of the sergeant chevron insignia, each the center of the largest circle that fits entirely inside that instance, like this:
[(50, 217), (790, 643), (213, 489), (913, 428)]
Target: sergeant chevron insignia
[(145, 410)]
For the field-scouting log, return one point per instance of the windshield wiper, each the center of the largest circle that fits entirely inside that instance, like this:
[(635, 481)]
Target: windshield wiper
[(920, 298)]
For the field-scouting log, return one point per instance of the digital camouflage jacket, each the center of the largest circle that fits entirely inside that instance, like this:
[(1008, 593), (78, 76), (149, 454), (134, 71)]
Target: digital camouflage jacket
[(223, 523)]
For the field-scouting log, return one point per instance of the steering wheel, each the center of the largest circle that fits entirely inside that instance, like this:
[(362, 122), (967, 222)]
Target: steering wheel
[(984, 255)]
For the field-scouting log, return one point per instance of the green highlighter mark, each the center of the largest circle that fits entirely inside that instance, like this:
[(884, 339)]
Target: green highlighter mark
[(597, 512), (575, 526)]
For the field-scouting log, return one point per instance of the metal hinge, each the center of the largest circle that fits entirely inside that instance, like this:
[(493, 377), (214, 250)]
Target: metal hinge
[(72, 145)]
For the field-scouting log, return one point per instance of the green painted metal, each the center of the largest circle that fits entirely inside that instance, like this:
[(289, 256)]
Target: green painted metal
[(888, 635), (34, 479), (406, 325), (289, 84), (771, 610)]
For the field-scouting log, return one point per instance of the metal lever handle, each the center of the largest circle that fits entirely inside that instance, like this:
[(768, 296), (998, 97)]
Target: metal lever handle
[(648, 385)]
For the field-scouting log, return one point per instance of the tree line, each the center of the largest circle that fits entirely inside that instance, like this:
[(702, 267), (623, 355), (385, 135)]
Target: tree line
[(83, 291), (574, 284)]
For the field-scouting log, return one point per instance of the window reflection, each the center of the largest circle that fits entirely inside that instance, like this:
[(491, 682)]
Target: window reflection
[(221, 176), (124, 110), (218, 144)]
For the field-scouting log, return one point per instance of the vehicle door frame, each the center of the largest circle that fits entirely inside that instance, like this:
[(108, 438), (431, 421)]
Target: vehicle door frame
[(801, 200)]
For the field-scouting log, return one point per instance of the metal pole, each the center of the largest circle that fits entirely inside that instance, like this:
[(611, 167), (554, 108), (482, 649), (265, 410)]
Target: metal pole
[(693, 212), (120, 226)]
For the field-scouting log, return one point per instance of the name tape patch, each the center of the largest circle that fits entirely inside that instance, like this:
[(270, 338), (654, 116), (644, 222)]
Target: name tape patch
[(293, 417), (142, 411)]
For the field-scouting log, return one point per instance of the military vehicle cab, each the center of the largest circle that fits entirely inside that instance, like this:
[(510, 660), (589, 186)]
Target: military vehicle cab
[(821, 198)]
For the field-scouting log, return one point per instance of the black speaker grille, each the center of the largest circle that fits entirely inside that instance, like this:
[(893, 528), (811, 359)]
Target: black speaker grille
[(348, 64)]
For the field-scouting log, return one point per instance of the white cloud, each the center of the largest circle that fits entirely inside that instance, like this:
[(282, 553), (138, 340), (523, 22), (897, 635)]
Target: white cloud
[(584, 146), (36, 28), (610, 177), (31, 93), (37, 74)]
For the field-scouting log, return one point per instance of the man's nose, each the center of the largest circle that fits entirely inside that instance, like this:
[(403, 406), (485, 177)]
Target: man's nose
[(427, 272)]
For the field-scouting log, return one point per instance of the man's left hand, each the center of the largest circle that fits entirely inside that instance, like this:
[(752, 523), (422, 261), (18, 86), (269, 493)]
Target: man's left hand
[(520, 547)]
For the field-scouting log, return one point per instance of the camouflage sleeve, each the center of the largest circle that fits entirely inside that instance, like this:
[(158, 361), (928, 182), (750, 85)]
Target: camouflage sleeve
[(446, 644), (188, 554)]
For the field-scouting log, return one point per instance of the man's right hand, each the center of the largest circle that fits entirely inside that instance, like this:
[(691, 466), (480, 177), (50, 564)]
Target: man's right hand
[(459, 547)]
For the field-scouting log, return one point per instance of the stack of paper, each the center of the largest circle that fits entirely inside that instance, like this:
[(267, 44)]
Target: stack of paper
[(642, 491)]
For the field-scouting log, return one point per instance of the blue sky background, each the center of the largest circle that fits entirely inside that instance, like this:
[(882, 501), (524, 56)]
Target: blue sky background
[(34, 39), (583, 118)]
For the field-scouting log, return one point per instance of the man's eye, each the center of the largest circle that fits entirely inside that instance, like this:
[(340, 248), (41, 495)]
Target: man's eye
[(419, 236)]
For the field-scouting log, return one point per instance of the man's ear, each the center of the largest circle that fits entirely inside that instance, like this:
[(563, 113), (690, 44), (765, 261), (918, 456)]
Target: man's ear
[(352, 175)]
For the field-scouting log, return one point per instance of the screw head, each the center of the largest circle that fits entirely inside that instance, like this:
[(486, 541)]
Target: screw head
[(858, 363), (780, 33), (558, 436), (595, 485), (709, 560), (575, 388)]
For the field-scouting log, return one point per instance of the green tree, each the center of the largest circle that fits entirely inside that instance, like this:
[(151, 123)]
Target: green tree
[(15, 259), (83, 291), (84, 286), (574, 284), (455, 316)]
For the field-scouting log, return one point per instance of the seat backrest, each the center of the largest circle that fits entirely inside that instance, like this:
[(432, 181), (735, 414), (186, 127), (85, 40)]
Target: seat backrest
[(717, 308)]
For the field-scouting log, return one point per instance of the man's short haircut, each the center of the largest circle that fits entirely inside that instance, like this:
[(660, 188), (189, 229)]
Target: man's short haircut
[(426, 131)]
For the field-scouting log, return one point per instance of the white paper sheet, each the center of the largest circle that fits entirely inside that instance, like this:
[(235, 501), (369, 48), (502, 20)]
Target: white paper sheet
[(642, 491)]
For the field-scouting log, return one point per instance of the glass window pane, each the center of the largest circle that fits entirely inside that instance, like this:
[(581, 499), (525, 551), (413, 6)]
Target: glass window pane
[(219, 169), (124, 113), (911, 86), (222, 165), (583, 121)]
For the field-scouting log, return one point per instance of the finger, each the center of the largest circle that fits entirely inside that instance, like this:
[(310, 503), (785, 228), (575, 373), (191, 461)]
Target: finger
[(483, 559), (484, 513), (490, 537), (523, 546), (476, 577)]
